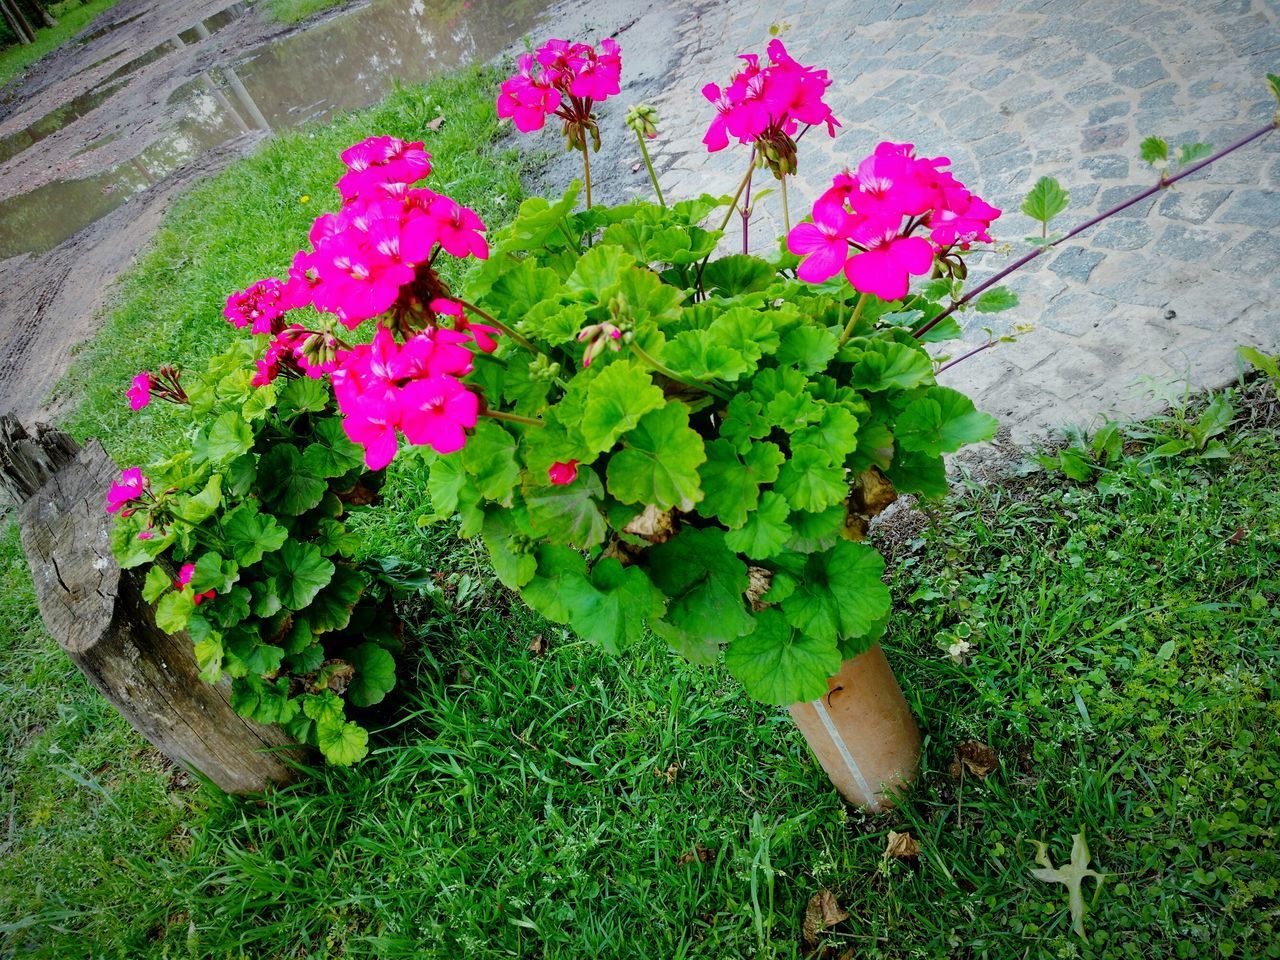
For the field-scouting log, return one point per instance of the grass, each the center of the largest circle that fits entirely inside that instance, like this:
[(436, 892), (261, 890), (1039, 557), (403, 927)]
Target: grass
[(563, 804), (72, 17), (291, 11)]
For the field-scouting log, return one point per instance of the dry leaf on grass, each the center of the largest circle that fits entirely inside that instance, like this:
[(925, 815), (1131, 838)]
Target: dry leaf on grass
[(668, 774), (1070, 875), (901, 845), (975, 757), (699, 854), (435, 124), (823, 911), (538, 645)]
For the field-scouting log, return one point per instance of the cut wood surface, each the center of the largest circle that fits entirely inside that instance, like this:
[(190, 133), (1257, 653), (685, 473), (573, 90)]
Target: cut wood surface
[(96, 613)]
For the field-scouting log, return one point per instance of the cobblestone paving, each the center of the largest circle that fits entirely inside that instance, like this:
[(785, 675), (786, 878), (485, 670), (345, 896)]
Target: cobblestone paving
[(1012, 90)]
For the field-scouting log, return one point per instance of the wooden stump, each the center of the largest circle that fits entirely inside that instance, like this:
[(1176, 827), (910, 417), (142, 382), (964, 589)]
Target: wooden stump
[(96, 613)]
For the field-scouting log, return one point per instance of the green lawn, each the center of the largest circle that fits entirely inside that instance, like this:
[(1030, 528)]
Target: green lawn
[(291, 11), (72, 16), (566, 804)]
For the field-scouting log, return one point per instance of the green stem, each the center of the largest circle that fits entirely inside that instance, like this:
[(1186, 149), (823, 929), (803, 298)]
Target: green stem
[(644, 150), (672, 375), (511, 417), (742, 185), (494, 321), (786, 214), (853, 321), (586, 170)]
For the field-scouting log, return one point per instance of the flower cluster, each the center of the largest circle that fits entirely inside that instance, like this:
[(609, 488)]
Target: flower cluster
[(131, 486), (865, 224), (766, 106), (164, 384), (562, 79)]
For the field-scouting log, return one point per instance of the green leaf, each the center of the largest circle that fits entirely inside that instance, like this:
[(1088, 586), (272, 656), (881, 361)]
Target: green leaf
[(300, 572), (342, 743), (157, 583), (539, 221), (695, 353), (213, 572), (287, 486), (507, 535), (598, 270), (733, 487), (375, 674), (1154, 151), (659, 461), (616, 400), (208, 654), (706, 585), (333, 454), (227, 608), (266, 599), (880, 365), (557, 567), (947, 329), (1070, 875), (490, 458), (1273, 81), (943, 421), (201, 506), (521, 287), (1191, 152), (737, 274), (812, 532), (570, 513), (766, 531), (239, 475), (250, 534), (612, 607), (1046, 200), (808, 347), (331, 609), (131, 552), (839, 594), (744, 421), (228, 436), (995, 300), (333, 536), (918, 473), (779, 665), (836, 432), (810, 481), (174, 610), (302, 395)]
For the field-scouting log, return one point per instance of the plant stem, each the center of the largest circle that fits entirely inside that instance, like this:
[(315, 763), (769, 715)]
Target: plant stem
[(972, 353), (746, 210), (853, 321), (1163, 184), (742, 185), (586, 170), (648, 359), (644, 150), (786, 214), (494, 321), (510, 417)]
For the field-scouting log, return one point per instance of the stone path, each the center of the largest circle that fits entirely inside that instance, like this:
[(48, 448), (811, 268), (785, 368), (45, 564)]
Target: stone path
[(1012, 90)]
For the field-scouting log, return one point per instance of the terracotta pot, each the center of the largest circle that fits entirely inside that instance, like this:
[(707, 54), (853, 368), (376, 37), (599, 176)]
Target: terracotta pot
[(863, 733)]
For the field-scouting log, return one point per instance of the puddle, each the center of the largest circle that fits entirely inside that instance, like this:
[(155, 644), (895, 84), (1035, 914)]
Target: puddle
[(343, 63)]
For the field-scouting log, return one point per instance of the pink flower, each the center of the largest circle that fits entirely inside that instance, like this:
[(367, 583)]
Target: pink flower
[(968, 219), (482, 335), (460, 230), (140, 393), (380, 166), (560, 71), (525, 100), (370, 420), (563, 473), (824, 244), (886, 268), (259, 307), (598, 75), (184, 576), (436, 412), (127, 489), (147, 534)]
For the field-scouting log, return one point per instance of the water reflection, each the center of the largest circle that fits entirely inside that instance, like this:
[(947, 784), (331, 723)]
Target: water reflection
[(343, 63)]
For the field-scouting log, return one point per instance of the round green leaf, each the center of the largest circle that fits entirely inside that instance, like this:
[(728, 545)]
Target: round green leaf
[(778, 664)]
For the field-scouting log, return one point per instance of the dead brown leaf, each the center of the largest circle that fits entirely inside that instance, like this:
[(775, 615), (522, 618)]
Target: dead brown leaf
[(870, 495), (901, 845), (758, 582), (668, 774), (654, 525), (435, 124), (699, 854), (538, 645), (975, 757), (1238, 536), (823, 912)]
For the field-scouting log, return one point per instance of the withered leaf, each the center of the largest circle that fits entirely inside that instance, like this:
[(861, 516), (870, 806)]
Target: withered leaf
[(1069, 875), (654, 525), (901, 845), (758, 582), (435, 124), (974, 756), (823, 911), (538, 645), (668, 774), (699, 854)]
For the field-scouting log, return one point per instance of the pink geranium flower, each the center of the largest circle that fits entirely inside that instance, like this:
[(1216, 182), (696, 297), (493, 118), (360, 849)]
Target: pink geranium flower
[(139, 393), (437, 412), (889, 262), (460, 230), (562, 79), (824, 244), (563, 473), (259, 307), (128, 488), (525, 100)]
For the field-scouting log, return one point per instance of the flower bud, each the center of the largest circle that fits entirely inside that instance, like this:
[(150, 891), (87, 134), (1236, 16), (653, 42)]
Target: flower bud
[(643, 120), (597, 336)]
